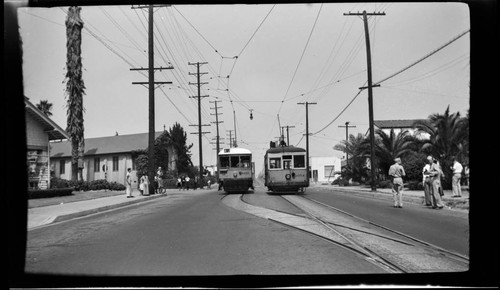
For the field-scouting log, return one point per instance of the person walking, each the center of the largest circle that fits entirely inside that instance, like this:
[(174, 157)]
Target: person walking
[(396, 171), (146, 184), (436, 173), (141, 185), (427, 182), (457, 176), (128, 188), (183, 182), (187, 182), (179, 183)]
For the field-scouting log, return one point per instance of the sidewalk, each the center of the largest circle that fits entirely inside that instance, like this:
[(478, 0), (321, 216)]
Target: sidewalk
[(39, 216), (413, 196)]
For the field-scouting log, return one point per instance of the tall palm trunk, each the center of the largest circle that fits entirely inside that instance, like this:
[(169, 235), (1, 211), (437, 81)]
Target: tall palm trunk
[(75, 90)]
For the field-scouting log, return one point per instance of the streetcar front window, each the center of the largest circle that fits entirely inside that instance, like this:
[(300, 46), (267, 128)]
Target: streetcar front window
[(299, 161), (245, 161), (274, 163), (235, 160), (224, 161)]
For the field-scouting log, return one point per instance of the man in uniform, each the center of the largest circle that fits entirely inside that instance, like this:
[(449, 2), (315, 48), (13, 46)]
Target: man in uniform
[(396, 171)]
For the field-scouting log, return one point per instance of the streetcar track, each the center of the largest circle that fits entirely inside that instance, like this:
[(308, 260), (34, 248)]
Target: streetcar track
[(447, 253), (349, 245)]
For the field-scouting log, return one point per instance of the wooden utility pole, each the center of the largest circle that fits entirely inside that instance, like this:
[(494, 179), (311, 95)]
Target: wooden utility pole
[(200, 133), (151, 86), (307, 138), (217, 122), (347, 140), (370, 93)]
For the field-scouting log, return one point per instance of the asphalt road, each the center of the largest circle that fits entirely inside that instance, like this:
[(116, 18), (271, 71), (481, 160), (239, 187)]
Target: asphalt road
[(194, 234)]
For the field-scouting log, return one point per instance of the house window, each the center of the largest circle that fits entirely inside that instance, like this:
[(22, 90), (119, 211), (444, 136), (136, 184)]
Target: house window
[(115, 163), (97, 164), (329, 171), (61, 167)]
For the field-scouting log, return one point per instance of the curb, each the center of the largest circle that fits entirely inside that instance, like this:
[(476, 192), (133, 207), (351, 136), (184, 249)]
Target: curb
[(382, 195), (70, 216)]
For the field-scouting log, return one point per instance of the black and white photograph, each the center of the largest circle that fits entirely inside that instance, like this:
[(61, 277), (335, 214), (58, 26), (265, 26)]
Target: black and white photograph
[(283, 144)]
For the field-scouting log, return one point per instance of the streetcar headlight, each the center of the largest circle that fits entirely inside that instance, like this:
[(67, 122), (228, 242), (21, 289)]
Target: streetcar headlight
[(288, 176), (235, 174)]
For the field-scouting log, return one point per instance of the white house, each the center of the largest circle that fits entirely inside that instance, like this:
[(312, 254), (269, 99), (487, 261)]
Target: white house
[(398, 126), (323, 168), (105, 157)]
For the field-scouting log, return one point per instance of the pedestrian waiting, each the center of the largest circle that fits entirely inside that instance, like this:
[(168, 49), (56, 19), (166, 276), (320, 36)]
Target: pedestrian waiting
[(436, 173), (396, 171), (427, 182), (457, 176)]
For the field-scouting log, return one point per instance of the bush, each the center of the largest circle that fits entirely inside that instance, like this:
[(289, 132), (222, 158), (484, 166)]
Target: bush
[(384, 184), (341, 181), (45, 193), (415, 185), (100, 184)]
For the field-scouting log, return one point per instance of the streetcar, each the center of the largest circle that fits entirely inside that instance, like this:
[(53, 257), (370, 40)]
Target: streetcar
[(236, 172), (285, 169)]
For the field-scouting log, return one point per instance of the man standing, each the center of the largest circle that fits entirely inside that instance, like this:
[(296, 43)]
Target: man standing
[(427, 182), (436, 173), (396, 171), (129, 183), (457, 175)]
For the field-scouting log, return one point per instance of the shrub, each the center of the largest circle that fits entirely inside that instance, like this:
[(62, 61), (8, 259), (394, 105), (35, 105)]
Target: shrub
[(45, 193), (100, 184), (415, 185), (384, 184), (341, 181)]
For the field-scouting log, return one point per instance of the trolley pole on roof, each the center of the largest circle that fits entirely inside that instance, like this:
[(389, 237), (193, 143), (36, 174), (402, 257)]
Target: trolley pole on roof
[(307, 137), (369, 86)]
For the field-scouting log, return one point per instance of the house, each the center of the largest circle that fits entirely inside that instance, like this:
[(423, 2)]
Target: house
[(323, 168), (104, 157), (40, 130), (399, 126)]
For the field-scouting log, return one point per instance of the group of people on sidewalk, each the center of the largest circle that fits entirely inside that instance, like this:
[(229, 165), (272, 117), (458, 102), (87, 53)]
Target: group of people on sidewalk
[(144, 184), (431, 174)]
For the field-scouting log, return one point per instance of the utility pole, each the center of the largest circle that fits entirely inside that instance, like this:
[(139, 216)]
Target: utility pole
[(307, 137), (347, 140), (199, 83), (370, 93), (151, 86), (218, 137), (287, 133)]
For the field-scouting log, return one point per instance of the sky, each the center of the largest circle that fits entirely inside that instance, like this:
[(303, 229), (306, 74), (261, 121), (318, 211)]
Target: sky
[(261, 60)]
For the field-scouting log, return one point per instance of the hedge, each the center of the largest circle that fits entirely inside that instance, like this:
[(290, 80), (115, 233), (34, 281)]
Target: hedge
[(53, 192), (100, 184)]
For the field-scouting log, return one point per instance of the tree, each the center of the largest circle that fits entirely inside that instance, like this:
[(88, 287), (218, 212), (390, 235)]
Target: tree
[(390, 146), (75, 90), (45, 107), (449, 137), (357, 149), (178, 138), (161, 145)]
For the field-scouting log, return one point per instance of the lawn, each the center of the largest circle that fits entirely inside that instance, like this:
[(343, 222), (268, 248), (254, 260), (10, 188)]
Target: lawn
[(75, 196)]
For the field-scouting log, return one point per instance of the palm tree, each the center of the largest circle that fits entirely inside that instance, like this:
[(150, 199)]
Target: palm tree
[(357, 149), (390, 146), (45, 107), (75, 90), (449, 137)]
